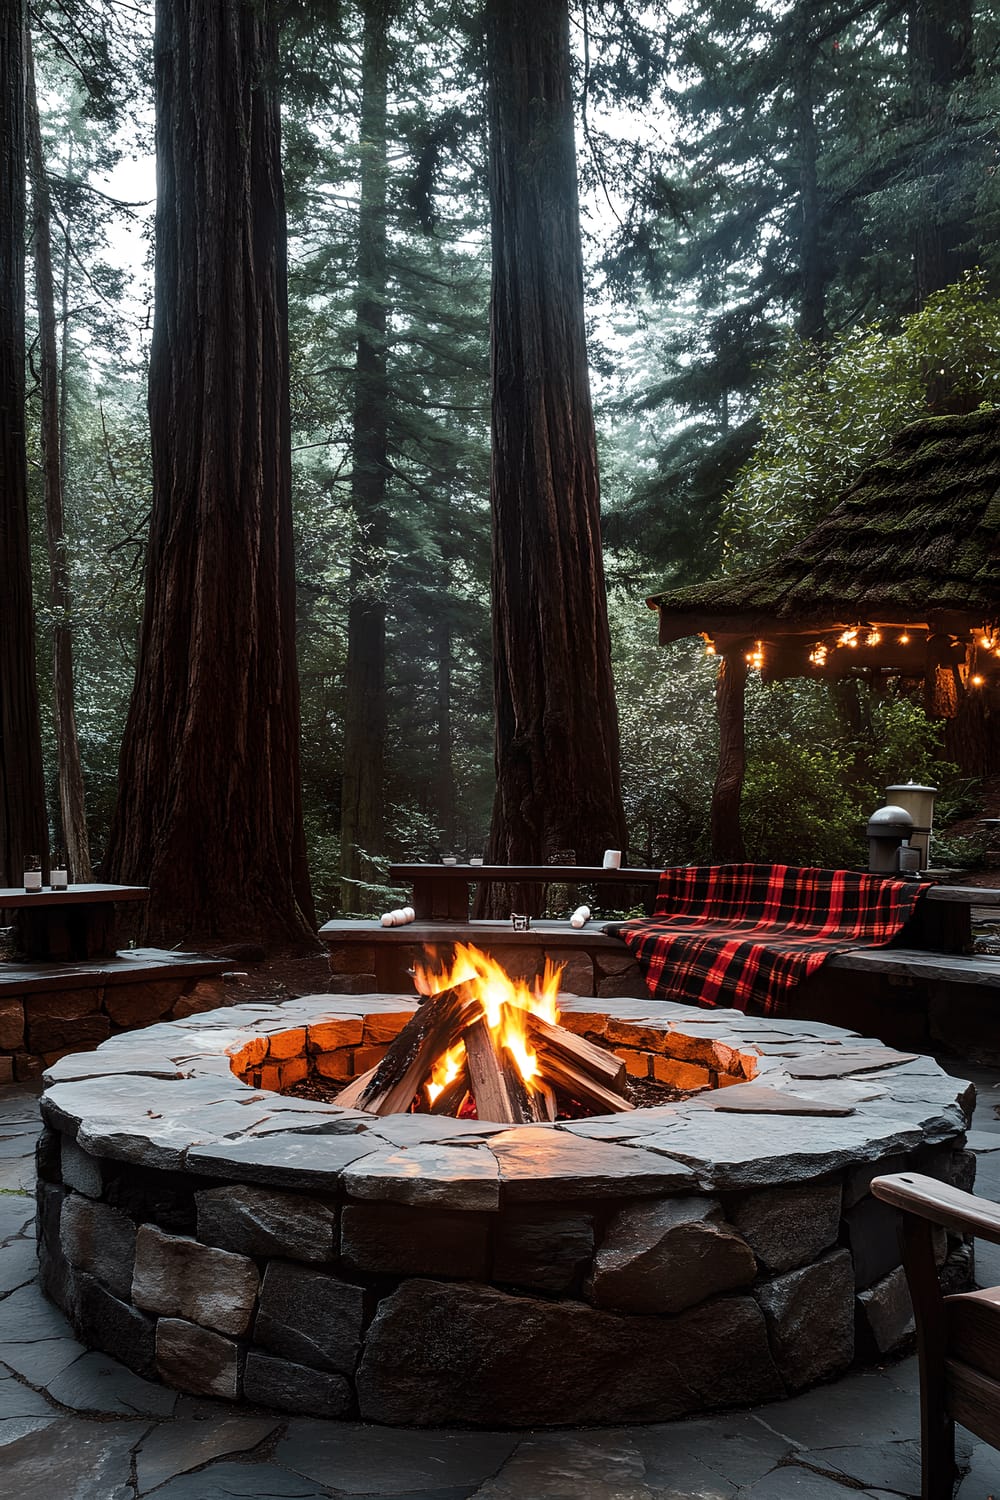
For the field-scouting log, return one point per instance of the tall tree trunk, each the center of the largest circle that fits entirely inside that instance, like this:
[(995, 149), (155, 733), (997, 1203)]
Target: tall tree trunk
[(940, 44), (209, 809), (557, 748), (362, 825), (23, 819), (72, 806), (444, 766), (812, 278)]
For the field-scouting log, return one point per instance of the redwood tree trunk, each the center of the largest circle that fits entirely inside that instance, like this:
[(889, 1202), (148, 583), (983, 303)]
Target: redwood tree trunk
[(811, 321), (72, 805), (209, 810), (23, 820), (362, 824), (556, 722), (940, 59)]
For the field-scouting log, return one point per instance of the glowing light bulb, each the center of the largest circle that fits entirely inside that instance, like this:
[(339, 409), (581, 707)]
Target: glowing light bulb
[(904, 639)]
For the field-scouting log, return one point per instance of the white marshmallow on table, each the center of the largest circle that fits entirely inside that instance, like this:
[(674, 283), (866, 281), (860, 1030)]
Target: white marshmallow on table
[(580, 917), (399, 918), (409, 914)]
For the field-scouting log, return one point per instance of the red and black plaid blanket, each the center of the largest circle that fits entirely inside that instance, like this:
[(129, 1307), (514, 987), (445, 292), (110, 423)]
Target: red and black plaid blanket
[(743, 935)]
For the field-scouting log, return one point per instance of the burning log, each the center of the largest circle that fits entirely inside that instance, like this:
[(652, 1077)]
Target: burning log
[(452, 1096), (576, 1052), (467, 1043), (434, 1028), (351, 1092), (581, 1069), (496, 1083)]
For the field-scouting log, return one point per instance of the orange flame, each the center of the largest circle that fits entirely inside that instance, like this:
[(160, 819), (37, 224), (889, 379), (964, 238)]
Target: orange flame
[(505, 1002)]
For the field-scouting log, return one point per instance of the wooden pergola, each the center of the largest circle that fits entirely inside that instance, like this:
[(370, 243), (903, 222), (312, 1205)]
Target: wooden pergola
[(901, 580)]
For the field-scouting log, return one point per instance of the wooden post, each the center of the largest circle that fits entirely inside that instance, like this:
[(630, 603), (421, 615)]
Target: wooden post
[(937, 1428), (727, 835)]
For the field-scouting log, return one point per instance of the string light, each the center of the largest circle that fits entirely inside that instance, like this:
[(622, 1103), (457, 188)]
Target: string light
[(849, 637), (818, 655), (904, 639), (756, 656), (977, 681), (873, 638)]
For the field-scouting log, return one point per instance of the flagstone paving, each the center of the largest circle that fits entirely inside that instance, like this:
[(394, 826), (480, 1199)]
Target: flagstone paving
[(76, 1425)]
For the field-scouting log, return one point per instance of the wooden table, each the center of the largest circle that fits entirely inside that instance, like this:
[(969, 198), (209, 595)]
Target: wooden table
[(943, 922), (441, 892), (76, 923)]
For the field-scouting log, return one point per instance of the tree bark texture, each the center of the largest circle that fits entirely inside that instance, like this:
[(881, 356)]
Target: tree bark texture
[(557, 747), (72, 803), (972, 735), (362, 824), (209, 811), (444, 766), (940, 45), (726, 830), (812, 272), (23, 819)]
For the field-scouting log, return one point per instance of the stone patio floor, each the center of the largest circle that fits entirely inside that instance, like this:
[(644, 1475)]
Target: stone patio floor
[(76, 1425)]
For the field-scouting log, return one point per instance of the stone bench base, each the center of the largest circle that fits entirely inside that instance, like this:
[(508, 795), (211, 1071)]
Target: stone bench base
[(48, 1010)]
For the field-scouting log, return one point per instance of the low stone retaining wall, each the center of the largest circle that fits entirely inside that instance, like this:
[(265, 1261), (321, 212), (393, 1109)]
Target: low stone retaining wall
[(49, 1010), (365, 956), (422, 1270)]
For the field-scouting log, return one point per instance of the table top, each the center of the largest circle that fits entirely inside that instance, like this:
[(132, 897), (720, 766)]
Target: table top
[(540, 874), (962, 895), (74, 895)]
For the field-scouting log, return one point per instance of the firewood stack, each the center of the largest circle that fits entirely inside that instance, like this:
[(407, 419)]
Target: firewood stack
[(571, 1070)]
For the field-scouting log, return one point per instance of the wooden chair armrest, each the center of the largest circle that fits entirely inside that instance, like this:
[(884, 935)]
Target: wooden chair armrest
[(963, 1213)]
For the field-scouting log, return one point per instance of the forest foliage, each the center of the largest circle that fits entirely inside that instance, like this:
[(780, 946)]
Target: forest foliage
[(791, 230)]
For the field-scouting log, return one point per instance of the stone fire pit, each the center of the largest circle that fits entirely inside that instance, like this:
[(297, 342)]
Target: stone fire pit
[(234, 1241)]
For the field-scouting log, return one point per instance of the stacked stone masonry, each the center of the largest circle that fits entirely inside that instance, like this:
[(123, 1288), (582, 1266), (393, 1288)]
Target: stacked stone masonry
[(718, 1251), (41, 1024)]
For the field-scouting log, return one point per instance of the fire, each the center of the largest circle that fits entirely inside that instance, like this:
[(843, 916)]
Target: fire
[(505, 1002), (446, 1070)]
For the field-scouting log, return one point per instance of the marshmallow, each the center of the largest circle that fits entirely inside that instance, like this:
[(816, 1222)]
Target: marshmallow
[(399, 918), (580, 916)]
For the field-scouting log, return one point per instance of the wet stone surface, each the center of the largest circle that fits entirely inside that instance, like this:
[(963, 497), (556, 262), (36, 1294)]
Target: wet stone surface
[(857, 1436), (237, 1243)]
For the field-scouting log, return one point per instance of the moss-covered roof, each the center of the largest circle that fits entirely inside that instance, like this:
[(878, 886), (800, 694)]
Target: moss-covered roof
[(916, 535)]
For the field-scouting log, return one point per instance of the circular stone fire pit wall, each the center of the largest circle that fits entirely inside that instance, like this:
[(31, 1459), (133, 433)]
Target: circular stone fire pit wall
[(723, 1250)]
